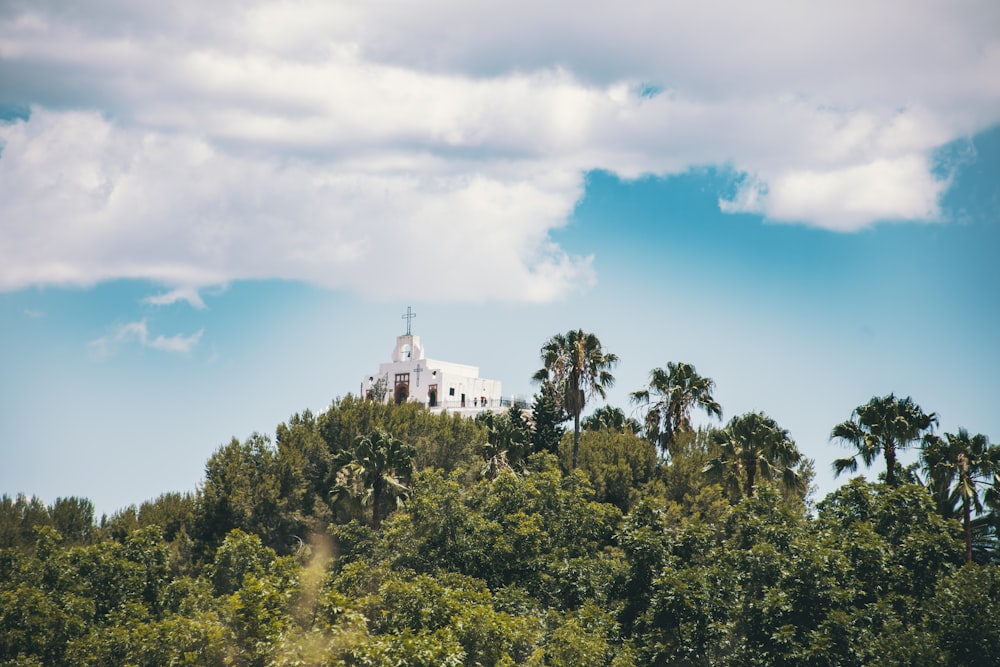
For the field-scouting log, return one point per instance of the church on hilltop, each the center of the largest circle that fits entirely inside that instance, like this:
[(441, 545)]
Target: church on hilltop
[(440, 385)]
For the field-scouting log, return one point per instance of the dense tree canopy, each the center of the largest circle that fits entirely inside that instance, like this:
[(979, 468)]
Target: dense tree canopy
[(610, 418), (375, 534)]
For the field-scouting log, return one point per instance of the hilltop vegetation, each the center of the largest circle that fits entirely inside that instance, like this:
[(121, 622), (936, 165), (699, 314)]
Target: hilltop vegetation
[(380, 534)]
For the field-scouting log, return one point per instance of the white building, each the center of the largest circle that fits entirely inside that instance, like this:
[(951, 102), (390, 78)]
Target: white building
[(440, 385)]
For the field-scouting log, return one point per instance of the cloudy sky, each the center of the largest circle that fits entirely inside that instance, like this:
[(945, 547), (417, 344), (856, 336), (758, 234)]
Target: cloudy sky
[(212, 215)]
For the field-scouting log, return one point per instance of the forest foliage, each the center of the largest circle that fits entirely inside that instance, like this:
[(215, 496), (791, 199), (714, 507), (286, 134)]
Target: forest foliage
[(382, 534)]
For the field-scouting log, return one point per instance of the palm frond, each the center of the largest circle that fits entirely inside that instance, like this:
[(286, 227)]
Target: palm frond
[(849, 464)]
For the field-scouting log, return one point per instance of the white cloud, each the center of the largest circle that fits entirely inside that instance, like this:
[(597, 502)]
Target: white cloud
[(178, 210), (176, 343), (138, 332), (388, 148), (844, 199), (188, 294)]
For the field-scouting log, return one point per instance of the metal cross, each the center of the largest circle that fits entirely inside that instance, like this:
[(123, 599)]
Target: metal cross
[(409, 316), (417, 371)]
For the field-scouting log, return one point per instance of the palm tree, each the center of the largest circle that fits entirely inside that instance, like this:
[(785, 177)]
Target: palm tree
[(958, 463), (671, 394), (753, 448), (578, 367), (881, 426), (608, 418), (505, 440), (376, 467)]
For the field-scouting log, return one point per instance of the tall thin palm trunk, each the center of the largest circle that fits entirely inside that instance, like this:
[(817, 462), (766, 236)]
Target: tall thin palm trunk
[(576, 439), (751, 466), (376, 503), (963, 481), (890, 463)]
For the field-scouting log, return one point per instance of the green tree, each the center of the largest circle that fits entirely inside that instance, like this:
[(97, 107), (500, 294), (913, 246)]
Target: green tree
[(896, 541), (540, 532), (547, 417), (462, 604), (18, 518), (242, 490), (377, 467), (581, 638), (961, 463), (73, 518), (255, 588), (440, 441), (965, 613), (610, 418), (678, 594), (884, 425), (683, 478), (306, 469), (754, 448), (506, 442), (517, 415), (412, 649), (147, 556), (617, 463), (578, 366), (135, 642), (437, 531), (669, 397), (543, 532), (174, 513), (239, 555)]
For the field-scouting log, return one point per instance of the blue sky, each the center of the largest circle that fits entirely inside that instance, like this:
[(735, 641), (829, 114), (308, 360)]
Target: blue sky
[(207, 225)]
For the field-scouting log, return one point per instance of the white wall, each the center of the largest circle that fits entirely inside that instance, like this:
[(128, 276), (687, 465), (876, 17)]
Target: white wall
[(448, 376)]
